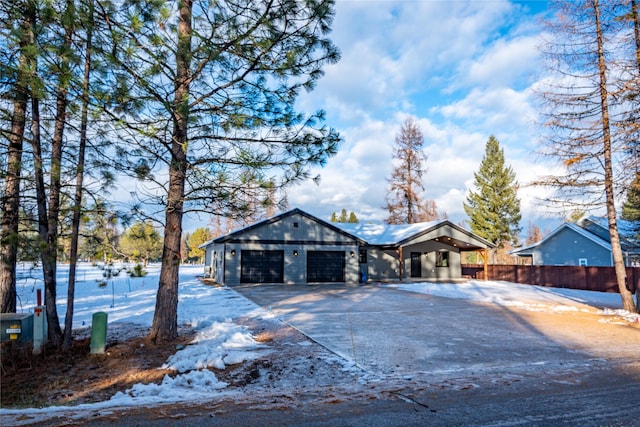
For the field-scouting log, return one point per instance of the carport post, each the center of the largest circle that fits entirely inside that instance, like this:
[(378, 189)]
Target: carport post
[(485, 255)]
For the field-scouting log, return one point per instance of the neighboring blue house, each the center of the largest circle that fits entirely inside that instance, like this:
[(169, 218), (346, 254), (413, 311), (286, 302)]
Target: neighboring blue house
[(584, 243)]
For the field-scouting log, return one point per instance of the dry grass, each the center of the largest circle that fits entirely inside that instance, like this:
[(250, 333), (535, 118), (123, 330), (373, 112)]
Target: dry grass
[(76, 376)]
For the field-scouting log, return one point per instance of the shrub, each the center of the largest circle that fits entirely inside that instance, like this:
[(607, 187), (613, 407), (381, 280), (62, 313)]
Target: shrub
[(137, 271)]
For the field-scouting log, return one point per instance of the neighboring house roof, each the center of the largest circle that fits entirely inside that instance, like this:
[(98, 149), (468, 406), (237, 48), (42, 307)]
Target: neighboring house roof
[(377, 234), (582, 230), (600, 226)]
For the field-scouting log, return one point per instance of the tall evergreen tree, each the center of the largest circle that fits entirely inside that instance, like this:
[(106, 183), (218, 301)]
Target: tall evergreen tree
[(494, 208), (206, 92), (405, 184), (17, 23)]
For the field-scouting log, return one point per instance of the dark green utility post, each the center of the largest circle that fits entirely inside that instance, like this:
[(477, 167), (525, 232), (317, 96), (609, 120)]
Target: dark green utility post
[(99, 332)]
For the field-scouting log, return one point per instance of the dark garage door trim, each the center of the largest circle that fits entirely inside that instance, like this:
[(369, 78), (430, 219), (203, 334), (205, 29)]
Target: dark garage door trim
[(325, 266), (261, 266)]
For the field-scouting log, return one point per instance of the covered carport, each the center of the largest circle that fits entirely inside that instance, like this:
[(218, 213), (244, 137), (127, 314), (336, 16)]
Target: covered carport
[(428, 250)]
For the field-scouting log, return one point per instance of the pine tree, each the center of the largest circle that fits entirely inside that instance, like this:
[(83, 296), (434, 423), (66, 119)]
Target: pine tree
[(343, 216), (403, 198), (494, 208), (208, 92), (198, 237), (20, 74), (631, 207), (141, 242)]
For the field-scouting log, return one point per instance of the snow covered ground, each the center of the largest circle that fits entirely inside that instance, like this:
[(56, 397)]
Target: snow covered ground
[(220, 340), (533, 298)]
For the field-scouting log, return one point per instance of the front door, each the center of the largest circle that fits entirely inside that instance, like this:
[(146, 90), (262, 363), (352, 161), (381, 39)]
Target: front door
[(416, 264)]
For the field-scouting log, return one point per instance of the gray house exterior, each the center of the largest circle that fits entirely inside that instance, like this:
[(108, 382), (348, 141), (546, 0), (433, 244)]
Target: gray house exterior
[(585, 243), (298, 248)]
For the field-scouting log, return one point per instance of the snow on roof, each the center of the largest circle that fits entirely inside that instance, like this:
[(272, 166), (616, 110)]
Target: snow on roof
[(385, 234)]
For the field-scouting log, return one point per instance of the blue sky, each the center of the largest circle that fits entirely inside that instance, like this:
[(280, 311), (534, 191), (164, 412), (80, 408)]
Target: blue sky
[(463, 69)]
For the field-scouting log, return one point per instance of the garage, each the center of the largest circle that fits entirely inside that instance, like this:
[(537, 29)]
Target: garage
[(295, 247), (261, 266), (325, 266)]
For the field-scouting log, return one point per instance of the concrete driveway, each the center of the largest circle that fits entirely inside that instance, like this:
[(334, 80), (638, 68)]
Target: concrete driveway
[(437, 362), (396, 335)]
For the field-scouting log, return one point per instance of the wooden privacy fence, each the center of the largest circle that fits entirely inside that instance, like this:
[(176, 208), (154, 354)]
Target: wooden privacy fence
[(601, 279)]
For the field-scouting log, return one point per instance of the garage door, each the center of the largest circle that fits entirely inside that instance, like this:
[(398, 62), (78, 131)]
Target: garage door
[(325, 266), (261, 266)]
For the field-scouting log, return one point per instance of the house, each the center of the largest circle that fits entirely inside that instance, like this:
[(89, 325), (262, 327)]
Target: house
[(296, 248), (584, 243)]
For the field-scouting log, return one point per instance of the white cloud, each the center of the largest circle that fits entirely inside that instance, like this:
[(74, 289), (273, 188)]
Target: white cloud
[(393, 49), (499, 109), (504, 63), (463, 69)]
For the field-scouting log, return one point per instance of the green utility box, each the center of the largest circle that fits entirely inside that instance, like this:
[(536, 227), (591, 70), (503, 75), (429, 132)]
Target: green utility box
[(16, 327), (99, 333)]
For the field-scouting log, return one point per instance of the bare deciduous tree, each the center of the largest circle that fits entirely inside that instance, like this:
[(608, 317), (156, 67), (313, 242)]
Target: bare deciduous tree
[(578, 112), (403, 201)]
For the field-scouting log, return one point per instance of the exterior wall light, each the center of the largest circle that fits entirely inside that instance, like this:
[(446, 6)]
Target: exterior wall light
[(233, 252), (352, 254), (295, 253)]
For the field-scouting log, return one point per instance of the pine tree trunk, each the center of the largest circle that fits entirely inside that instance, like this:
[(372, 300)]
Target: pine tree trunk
[(75, 223), (11, 205), (616, 250), (11, 200), (50, 250), (165, 318)]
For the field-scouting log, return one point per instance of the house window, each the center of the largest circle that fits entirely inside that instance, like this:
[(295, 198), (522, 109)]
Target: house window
[(295, 225), (582, 262), (362, 257), (442, 259)]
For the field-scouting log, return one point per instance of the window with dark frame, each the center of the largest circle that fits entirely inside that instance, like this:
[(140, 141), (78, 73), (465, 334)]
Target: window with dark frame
[(362, 256), (442, 259)]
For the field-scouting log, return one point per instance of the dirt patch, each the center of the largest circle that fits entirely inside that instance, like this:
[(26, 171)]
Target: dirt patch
[(77, 376), (290, 364)]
